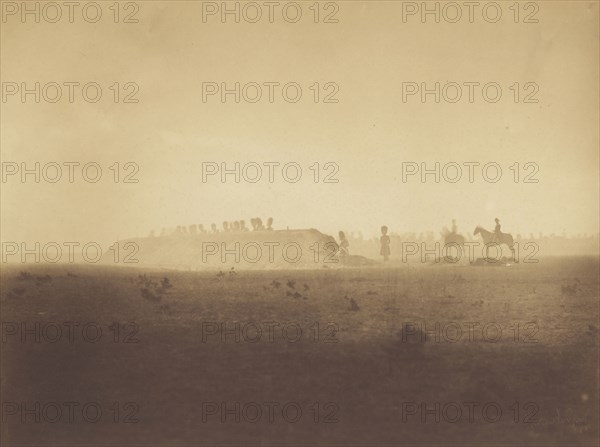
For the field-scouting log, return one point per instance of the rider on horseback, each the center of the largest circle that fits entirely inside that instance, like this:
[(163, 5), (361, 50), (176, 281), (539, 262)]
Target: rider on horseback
[(497, 231)]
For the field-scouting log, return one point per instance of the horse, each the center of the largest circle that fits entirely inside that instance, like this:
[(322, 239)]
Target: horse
[(502, 238), (453, 240)]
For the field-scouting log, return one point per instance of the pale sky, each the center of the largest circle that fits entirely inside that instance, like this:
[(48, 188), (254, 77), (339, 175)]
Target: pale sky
[(369, 133)]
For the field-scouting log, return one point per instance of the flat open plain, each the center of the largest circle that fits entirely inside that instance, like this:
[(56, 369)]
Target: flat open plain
[(509, 355)]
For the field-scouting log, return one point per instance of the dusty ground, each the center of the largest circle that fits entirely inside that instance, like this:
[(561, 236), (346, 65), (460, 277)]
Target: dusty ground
[(167, 370)]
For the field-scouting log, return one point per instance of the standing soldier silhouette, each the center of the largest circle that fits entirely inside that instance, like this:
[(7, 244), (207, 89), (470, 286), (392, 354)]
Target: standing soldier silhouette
[(344, 245), (385, 244)]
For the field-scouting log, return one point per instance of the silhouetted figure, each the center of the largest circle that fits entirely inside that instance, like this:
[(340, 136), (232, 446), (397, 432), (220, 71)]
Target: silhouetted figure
[(452, 238), (344, 245), (214, 228), (236, 226), (495, 238), (243, 226), (225, 226), (385, 243), (259, 224), (201, 229), (497, 231), (192, 229), (269, 223)]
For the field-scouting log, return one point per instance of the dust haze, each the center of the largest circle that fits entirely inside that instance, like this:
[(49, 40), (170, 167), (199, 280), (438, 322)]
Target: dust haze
[(349, 223)]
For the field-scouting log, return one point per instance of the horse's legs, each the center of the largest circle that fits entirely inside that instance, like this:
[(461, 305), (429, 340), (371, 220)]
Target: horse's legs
[(487, 250), (512, 250)]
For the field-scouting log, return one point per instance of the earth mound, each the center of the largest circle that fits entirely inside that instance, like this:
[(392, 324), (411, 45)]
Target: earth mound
[(262, 250)]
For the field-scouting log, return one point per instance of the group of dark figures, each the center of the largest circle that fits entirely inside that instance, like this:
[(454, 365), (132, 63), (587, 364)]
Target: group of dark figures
[(450, 237), (236, 226)]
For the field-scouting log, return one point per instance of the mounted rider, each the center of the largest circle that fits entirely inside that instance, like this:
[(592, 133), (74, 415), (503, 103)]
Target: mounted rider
[(497, 233)]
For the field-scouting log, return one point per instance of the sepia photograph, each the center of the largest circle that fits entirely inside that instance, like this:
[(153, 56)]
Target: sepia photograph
[(309, 223)]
